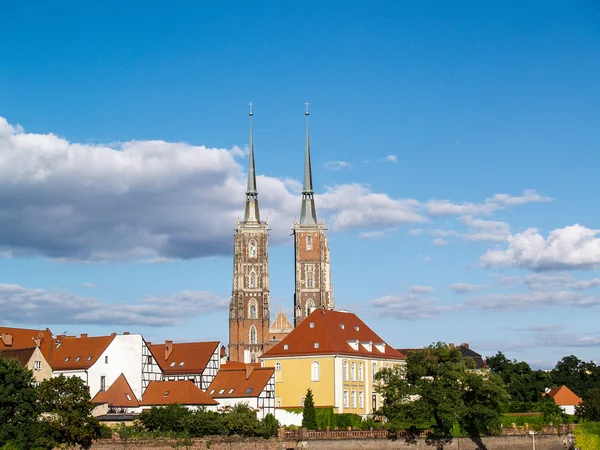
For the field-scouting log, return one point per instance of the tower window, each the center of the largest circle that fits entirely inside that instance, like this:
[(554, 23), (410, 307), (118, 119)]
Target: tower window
[(253, 314), (253, 335), (252, 280), (309, 242), (309, 279), (252, 249), (310, 307)]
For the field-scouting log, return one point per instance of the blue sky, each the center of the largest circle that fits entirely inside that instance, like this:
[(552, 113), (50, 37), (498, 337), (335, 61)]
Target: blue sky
[(455, 155)]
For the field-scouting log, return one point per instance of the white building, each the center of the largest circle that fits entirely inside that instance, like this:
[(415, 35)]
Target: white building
[(100, 360)]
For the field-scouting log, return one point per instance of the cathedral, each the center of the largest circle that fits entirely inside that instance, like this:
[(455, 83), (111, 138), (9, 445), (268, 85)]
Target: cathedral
[(251, 332)]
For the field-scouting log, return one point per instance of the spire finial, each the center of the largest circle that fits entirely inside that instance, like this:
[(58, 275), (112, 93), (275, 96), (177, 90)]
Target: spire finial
[(308, 215), (251, 214), (251, 113)]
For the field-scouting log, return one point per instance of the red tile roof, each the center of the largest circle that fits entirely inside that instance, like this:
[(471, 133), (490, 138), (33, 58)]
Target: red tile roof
[(235, 381), (119, 394), (327, 332), (183, 392), (26, 338), (23, 355), (563, 396), (185, 358), (78, 353)]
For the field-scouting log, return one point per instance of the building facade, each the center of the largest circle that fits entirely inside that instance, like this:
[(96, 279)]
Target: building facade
[(313, 286), (249, 312)]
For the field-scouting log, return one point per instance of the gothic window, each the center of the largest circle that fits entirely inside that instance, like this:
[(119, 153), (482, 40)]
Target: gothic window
[(309, 242), (315, 372), (253, 358), (353, 372), (345, 370), (252, 249), (241, 313), (310, 306), (252, 280), (253, 335), (309, 279), (277, 367), (252, 313)]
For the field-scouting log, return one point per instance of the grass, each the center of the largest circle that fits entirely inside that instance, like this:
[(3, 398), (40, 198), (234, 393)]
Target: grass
[(587, 436)]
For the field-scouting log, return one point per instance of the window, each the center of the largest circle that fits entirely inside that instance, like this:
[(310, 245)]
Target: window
[(253, 335), (315, 372), (173, 364), (286, 346), (231, 391), (252, 314), (361, 376), (345, 399), (37, 365), (212, 392), (309, 279), (128, 397), (149, 359), (310, 307), (221, 391), (89, 358), (361, 399), (277, 367), (67, 359), (252, 280), (78, 359), (252, 249), (353, 371), (58, 344), (249, 391), (106, 360), (353, 399), (356, 327), (374, 370), (345, 365), (181, 364), (309, 242), (102, 383), (253, 358), (316, 345), (166, 393), (312, 324)]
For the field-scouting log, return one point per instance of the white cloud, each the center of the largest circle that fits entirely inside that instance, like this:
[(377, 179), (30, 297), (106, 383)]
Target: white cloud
[(391, 158), (416, 289), (378, 234), (573, 247), (531, 300), (89, 285), (411, 305), (439, 242), (497, 202), (465, 288), (559, 281), (485, 230), (337, 165), (20, 304)]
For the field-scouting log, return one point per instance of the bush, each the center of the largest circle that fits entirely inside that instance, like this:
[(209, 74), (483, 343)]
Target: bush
[(587, 436), (205, 423), (106, 432), (270, 426), (345, 420), (241, 420), (325, 418), (166, 418)]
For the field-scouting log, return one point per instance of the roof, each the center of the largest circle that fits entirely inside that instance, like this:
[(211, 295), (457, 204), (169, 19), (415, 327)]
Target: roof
[(23, 355), (563, 396), (465, 351), (235, 381), (183, 392), (118, 394), (185, 358), (26, 338), (78, 353), (326, 332), (281, 324)]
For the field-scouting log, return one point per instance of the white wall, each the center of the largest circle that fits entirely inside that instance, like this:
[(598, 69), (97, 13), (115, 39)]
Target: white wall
[(569, 409), (287, 418)]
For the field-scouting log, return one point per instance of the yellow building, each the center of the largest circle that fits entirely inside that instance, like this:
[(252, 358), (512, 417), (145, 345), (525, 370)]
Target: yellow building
[(336, 355)]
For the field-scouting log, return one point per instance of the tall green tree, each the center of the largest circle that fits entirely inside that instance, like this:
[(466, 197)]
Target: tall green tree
[(579, 376), (309, 414), (590, 407), (68, 410), (19, 410), (438, 385)]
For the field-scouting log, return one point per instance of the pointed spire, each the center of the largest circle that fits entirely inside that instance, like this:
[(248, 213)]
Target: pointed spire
[(251, 214), (308, 214)]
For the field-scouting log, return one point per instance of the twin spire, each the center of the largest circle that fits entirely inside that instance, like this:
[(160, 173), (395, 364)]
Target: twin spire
[(308, 213)]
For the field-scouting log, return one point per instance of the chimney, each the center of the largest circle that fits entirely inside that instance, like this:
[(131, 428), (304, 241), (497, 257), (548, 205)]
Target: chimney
[(223, 351), (126, 333), (84, 335), (148, 343), (465, 345), (7, 338), (38, 340), (168, 349), (249, 370)]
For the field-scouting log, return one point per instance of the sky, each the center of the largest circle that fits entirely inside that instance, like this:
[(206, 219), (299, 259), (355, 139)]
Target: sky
[(455, 149)]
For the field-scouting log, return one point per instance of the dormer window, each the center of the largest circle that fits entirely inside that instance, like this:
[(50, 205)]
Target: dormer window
[(89, 358), (380, 346), (78, 359), (342, 326), (353, 344), (58, 344), (231, 391), (285, 346), (181, 364), (356, 327), (368, 346), (309, 242), (312, 324), (252, 252), (316, 345), (212, 391), (67, 359), (167, 393), (173, 364), (221, 391), (128, 397)]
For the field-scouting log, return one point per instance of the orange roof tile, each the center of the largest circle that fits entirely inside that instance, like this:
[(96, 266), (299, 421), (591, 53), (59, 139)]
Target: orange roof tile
[(247, 381), (23, 355), (563, 396), (78, 353), (183, 392), (26, 338), (326, 332), (189, 357), (119, 394)]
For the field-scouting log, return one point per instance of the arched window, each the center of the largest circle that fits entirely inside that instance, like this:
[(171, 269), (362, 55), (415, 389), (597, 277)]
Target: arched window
[(315, 372), (309, 242), (361, 376), (374, 370), (309, 279), (345, 370), (353, 371), (252, 249), (277, 367), (252, 314), (252, 280), (310, 306), (253, 335)]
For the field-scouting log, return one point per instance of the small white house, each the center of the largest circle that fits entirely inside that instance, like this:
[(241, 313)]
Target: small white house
[(100, 360), (565, 398), (245, 383), (183, 392)]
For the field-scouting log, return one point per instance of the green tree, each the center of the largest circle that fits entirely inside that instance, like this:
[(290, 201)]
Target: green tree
[(68, 407), (309, 414), (270, 426), (19, 410), (438, 385), (170, 418), (242, 420), (577, 375), (590, 407), (205, 423)]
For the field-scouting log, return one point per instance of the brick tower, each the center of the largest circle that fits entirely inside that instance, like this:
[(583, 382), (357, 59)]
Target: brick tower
[(312, 266), (249, 307)]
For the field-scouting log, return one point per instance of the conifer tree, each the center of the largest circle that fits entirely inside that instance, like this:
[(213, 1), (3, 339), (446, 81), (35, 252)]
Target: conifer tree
[(309, 415)]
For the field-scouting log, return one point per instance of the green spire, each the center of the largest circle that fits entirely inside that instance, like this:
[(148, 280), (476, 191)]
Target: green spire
[(251, 214), (308, 214)]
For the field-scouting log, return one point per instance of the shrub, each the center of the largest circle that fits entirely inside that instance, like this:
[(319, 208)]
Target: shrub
[(270, 426)]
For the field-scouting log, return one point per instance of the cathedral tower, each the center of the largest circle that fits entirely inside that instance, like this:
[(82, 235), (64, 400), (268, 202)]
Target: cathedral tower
[(312, 266), (249, 307)]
